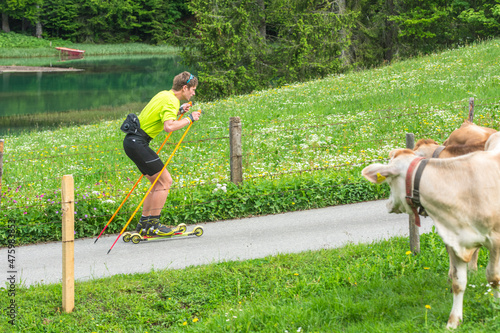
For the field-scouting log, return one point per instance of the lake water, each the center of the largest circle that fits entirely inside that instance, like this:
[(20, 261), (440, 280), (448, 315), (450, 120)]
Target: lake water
[(105, 81)]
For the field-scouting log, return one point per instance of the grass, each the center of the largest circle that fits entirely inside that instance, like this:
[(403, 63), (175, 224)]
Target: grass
[(305, 142), (304, 145), (14, 45), (377, 287)]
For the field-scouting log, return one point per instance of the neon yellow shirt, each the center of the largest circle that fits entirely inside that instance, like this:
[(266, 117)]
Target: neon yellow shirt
[(162, 107)]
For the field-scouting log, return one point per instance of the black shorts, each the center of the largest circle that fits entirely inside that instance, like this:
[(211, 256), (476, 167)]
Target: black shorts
[(136, 147)]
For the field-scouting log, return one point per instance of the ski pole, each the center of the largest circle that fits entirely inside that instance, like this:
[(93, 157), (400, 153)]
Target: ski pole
[(135, 185), (151, 187)]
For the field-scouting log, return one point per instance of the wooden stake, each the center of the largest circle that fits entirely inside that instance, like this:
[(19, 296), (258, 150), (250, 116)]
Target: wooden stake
[(414, 234), (1, 168), (68, 246), (471, 109), (235, 150)]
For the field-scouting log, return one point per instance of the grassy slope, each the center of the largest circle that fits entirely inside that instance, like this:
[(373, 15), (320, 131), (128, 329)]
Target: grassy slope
[(328, 124), (369, 288)]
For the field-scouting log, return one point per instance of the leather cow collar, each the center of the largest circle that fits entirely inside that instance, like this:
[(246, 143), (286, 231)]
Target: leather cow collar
[(413, 197), (438, 151)]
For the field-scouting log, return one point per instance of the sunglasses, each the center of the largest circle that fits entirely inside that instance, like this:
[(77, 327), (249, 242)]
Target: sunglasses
[(191, 76)]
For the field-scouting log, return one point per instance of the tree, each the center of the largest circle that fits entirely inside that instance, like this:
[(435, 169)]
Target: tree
[(22, 10), (244, 45), (38, 23), (5, 22)]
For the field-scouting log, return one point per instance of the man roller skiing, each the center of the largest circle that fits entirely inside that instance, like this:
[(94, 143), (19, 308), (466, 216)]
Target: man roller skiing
[(160, 114)]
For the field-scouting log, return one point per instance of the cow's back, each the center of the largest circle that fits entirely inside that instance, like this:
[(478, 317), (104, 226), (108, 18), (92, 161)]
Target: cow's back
[(462, 196), (469, 134)]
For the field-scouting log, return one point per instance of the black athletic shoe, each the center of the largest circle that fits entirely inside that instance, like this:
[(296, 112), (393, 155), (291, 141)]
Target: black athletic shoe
[(155, 228), (142, 226)]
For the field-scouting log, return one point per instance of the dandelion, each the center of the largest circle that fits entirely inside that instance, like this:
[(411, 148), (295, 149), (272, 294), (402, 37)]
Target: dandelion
[(195, 320), (184, 323), (408, 253), (427, 307)]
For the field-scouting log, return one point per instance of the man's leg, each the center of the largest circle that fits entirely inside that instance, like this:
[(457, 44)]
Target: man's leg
[(156, 199)]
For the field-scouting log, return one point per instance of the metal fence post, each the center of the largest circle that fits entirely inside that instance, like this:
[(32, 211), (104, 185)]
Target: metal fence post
[(68, 245), (414, 234), (235, 151)]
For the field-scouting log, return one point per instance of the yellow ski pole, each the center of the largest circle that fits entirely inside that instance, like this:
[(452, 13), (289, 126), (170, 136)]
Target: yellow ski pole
[(151, 187), (135, 185)]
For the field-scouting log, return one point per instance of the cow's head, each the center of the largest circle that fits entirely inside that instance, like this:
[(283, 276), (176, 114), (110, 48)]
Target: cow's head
[(394, 174), (425, 147)]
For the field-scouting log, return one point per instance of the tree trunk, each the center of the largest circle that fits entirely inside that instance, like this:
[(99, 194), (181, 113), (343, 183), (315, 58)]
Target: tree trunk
[(5, 22), (262, 24), (343, 55), (38, 26), (389, 33)]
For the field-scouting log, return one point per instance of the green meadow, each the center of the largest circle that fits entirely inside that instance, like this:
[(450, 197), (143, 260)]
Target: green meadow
[(304, 145)]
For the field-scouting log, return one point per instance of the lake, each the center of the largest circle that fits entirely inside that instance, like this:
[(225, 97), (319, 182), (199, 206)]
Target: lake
[(106, 81)]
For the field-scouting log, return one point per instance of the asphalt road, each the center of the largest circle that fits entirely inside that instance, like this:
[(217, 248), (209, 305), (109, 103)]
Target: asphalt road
[(230, 240)]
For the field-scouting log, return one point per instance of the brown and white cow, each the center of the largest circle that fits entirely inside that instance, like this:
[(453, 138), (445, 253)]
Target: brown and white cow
[(462, 196), (429, 148), (469, 134)]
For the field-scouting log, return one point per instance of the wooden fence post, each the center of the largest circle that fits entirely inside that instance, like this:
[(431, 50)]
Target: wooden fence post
[(1, 169), (68, 245), (414, 234), (235, 151), (471, 109)]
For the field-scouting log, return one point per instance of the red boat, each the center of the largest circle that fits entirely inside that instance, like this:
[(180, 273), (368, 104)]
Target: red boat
[(67, 53)]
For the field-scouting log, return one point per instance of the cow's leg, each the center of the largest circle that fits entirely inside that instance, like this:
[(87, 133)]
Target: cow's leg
[(472, 265), (458, 276), (450, 269), (493, 271)]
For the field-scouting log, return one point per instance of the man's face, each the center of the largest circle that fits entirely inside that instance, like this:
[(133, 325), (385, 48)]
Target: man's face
[(188, 92)]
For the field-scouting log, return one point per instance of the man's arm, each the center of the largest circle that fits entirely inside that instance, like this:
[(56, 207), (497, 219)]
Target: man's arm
[(174, 125)]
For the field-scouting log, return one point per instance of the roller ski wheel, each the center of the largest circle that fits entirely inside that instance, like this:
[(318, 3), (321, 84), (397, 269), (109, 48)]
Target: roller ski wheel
[(126, 237), (198, 231), (181, 228), (136, 238)]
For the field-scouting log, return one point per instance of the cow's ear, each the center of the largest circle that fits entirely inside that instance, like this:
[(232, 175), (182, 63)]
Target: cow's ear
[(377, 173)]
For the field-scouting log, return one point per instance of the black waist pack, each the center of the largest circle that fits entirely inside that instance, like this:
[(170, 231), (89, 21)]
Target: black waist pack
[(131, 124)]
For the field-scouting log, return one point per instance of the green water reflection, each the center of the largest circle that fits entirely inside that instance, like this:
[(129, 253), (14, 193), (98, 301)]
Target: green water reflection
[(106, 81)]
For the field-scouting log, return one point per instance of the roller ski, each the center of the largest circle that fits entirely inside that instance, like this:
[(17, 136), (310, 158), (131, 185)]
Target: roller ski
[(146, 231)]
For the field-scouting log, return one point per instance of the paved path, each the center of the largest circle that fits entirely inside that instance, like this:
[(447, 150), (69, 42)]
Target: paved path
[(241, 239)]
